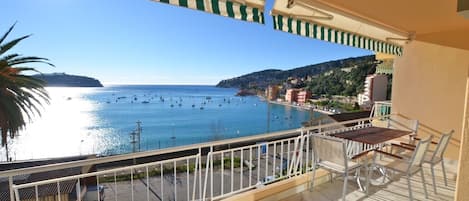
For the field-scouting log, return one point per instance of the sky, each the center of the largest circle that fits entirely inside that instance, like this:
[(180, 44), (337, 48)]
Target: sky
[(146, 42)]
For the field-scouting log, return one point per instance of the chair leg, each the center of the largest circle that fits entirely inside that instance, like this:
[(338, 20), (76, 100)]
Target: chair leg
[(444, 171), (410, 188), (368, 177), (345, 186), (433, 178), (424, 185), (384, 172), (357, 177)]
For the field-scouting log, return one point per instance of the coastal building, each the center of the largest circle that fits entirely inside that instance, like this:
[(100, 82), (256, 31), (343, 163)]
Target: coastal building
[(299, 96), (291, 96), (303, 97), (272, 92), (375, 90)]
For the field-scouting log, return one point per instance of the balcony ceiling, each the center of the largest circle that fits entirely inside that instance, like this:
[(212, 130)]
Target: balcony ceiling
[(434, 21)]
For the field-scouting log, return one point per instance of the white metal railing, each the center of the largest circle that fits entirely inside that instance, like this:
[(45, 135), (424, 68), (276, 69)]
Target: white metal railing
[(380, 109), (11, 174), (245, 167), (236, 170), (273, 161), (175, 169)]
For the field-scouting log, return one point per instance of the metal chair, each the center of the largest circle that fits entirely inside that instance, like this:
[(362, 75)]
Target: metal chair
[(409, 167), (330, 154), (404, 124), (433, 157)]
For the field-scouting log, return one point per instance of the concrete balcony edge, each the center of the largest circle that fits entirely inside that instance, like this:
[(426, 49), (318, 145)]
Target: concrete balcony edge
[(282, 189)]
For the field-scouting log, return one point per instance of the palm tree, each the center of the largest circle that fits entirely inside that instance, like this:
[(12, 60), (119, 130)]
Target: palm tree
[(20, 94)]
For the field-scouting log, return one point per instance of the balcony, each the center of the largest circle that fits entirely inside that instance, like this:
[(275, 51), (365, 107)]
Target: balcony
[(270, 166), (297, 189), (396, 190)]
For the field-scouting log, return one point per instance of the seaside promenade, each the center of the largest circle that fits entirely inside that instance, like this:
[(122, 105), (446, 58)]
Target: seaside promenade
[(302, 107)]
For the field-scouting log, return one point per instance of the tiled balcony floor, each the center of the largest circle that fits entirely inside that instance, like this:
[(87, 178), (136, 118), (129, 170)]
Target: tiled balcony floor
[(392, 191)]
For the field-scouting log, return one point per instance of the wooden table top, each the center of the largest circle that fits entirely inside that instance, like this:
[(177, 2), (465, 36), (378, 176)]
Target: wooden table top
[(372, 135)]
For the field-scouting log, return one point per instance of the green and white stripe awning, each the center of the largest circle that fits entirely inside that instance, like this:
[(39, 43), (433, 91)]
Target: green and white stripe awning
[(252, 10), (326, 33)]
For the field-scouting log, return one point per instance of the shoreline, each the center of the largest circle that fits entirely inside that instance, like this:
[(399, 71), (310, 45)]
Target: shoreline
[(302, 107)]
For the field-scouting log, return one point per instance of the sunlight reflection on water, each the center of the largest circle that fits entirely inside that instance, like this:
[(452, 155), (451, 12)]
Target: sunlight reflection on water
[(83, 121), (65, 128)]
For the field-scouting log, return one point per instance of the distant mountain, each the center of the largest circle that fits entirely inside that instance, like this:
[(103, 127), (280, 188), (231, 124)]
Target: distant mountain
[(262, 79), (64, 80)]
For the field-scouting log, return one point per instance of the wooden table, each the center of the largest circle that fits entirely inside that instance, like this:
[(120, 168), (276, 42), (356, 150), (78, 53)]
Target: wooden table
[(372, 135)]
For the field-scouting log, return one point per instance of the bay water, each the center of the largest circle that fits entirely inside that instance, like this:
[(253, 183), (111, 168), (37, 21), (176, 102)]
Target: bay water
[(99, 120)]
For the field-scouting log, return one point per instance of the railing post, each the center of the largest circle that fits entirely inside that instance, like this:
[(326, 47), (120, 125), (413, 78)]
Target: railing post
[(209, 158), (17, 194), (372, 112), (222, 172), (10, 184), (211, 172), (58, 191), (198, 160), (232, 171), (200, 171), (175, 181), (241, 169), (266, 160), (78, 190)]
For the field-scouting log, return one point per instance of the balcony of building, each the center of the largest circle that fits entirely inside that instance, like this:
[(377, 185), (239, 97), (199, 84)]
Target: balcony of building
[(298, 189), (274, 166)]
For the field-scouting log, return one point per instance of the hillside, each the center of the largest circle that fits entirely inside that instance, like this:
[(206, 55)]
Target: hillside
[(262, 79), (341, 81), (64, 80)]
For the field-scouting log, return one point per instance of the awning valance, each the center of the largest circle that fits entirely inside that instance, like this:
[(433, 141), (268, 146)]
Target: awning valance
[(246, 10), (315, 21), (323, 32)]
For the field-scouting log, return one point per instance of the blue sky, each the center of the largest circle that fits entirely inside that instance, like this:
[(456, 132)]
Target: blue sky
[(140, 41)]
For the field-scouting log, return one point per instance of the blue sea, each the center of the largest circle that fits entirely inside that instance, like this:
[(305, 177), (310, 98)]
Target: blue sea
[(100, 120)]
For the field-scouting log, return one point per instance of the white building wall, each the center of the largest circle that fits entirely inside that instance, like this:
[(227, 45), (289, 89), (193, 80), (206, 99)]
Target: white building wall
[(375, 90)]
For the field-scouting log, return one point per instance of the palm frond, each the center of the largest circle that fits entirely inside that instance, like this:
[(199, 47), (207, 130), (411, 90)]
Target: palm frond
[(9, 57), (8, 32), (4, 48), (24, 61)]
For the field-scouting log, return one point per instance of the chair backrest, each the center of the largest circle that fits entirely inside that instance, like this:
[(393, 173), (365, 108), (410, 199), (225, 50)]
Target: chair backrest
[(442, 144), (419, 152), (329, 149), (403, 124)]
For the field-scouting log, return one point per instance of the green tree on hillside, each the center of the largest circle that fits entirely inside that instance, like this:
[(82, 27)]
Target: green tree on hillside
[(20, 94), (339, 82)]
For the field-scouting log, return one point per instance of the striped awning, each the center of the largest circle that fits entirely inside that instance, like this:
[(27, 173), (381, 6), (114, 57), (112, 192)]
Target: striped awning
[(248, 10), (323, 32), (317, 22)]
